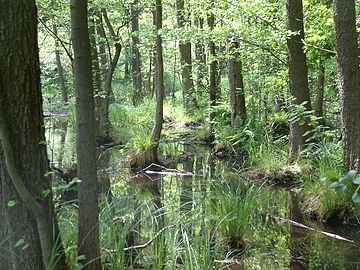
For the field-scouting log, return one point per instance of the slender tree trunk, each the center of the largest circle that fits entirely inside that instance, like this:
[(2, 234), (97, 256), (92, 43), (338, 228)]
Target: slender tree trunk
[(136, 57), (349, 80), (88, 239), (104, 116), (60, 71), (23, 158), (298, 74), (185, 59), (200, 58), (236, 84), (159, 79), (320, 84), (213, 73)]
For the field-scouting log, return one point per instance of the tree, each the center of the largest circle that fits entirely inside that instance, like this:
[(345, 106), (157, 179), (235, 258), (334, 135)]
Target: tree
[(88, 235), (136, 56), (236, 84), (349, 80), (26, 196), (297, 74), (213, 77), (159, 79), (185, 58)]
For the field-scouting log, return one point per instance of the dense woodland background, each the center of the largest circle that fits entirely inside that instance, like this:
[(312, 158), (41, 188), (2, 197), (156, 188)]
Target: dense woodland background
[(179, 134)]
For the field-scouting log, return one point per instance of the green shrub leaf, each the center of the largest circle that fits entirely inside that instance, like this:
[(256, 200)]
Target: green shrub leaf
[(338, 187)]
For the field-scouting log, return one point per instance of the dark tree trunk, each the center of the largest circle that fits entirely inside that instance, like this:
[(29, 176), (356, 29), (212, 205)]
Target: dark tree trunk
[(96, 73), (349, 80), (136, 57), (159, 79), (297, 74), (236, 84), (23, 157), (88, 241), (185, 59), (319, 101)]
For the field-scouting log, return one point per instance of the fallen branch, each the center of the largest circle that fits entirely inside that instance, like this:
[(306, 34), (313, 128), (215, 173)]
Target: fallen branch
[(167, 171), (170, 173), (297, 224)]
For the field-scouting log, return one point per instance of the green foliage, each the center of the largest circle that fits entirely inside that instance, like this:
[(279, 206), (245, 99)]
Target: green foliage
[(349, 181)]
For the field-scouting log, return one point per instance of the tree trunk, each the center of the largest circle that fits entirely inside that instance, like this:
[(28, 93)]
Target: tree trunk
[(236, 84), (88, 239), (185, 59), (349, 80), (60, 71), (200, 59), (297, 74), (214, 87), (136, 57), (96, 73), (319, 102), (159, 79), (104, 116), (23, 157)]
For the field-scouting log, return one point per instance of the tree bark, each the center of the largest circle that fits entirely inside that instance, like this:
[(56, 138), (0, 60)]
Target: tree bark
[(96, 73), (349, 80), (185, 59), (236, 84), (136, 56), (297, 74), (88, 235), (23, 156), (159, 79)]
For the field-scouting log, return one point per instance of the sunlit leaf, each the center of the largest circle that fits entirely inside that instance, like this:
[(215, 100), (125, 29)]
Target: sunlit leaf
[(11, 203)]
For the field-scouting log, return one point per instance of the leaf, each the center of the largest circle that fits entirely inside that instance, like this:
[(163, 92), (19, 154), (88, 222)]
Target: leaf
[(338, 187), (20, 242), (11, 203), (356, 180), (356, 197), (351, 174), (26, 246)]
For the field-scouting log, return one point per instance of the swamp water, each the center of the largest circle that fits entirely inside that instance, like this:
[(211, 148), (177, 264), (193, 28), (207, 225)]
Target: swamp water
[(213, 219), (209, 219)]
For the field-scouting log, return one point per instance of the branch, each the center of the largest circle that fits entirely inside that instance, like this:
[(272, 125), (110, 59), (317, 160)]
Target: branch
[(54, 35), (318, 48), (263, 48), (148, 243), (144, 245), (300, 225)]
